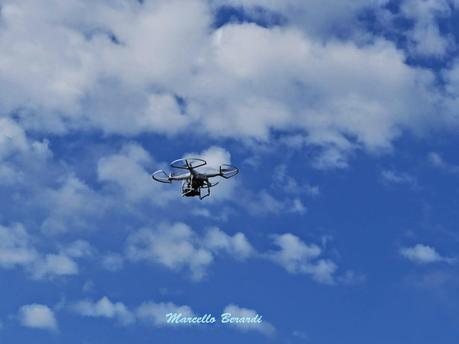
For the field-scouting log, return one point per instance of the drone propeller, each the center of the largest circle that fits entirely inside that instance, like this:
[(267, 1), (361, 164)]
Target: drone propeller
[(228, 171)]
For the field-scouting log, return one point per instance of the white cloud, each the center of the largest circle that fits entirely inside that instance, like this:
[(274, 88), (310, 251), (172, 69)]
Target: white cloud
[(426, 38), (67, 53), (151, 313), (263, 203), (12, 138), (164, 114), (83, 66), (54, 265), (106, 309), (19, 249), (283, 181), (248, 54), (351, 278), (396, 177), (127, 171), (237, 246), (38, 316), (78, 249), (214, 155), (155, 313), (317, 17), (19, 155), (70, 206), (298, 206), (236, 311), (222, 214), (176, 246), (112, 262), (295, 256), (423, 254), (437, 161), (16, 246)]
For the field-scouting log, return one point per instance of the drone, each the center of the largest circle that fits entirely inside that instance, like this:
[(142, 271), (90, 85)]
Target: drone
[(194, 183)]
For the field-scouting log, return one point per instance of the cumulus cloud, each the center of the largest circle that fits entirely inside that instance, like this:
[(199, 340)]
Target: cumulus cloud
[(240, 80), (54, 265), (236, 246), (425, 38), (174, 246), (214, 155), (264, 327), (19, 155), (127, 171), (12, 138), (150, 313), (423, 254), (309, 16), (71, 206), (295, 256), (253, 55), (18, 249), (38, 316), (16, 246), (104, 308), (155, 313), (177, 247)]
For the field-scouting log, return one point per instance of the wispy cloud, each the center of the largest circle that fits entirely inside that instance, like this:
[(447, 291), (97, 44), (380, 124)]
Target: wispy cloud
[(395, 177), (438, 161)]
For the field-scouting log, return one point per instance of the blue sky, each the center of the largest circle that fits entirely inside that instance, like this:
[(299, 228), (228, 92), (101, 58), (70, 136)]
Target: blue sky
[(340, 227)]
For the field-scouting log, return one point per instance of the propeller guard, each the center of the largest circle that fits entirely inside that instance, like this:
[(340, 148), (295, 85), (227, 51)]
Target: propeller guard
[(228, 171), (188, 164), (161, 176)]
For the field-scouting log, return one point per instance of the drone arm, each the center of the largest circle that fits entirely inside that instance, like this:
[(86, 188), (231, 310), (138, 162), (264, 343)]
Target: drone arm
[(212, 175), (180, 176)]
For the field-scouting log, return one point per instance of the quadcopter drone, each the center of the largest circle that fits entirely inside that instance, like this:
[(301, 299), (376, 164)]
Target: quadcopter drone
[(194, 183)]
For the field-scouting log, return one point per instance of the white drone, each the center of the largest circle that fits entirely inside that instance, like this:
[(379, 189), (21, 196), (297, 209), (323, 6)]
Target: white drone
[(195, 183)]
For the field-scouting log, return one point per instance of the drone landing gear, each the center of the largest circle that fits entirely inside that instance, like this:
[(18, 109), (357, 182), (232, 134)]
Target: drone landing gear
[(207, 186), (204, 195), (201, 191), (197, 192)]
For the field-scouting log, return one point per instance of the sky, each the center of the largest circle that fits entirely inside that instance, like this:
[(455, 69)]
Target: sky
[(341, 226)]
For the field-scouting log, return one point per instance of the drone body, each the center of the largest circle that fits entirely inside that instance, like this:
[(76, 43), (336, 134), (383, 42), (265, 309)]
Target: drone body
[(194, 183)]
